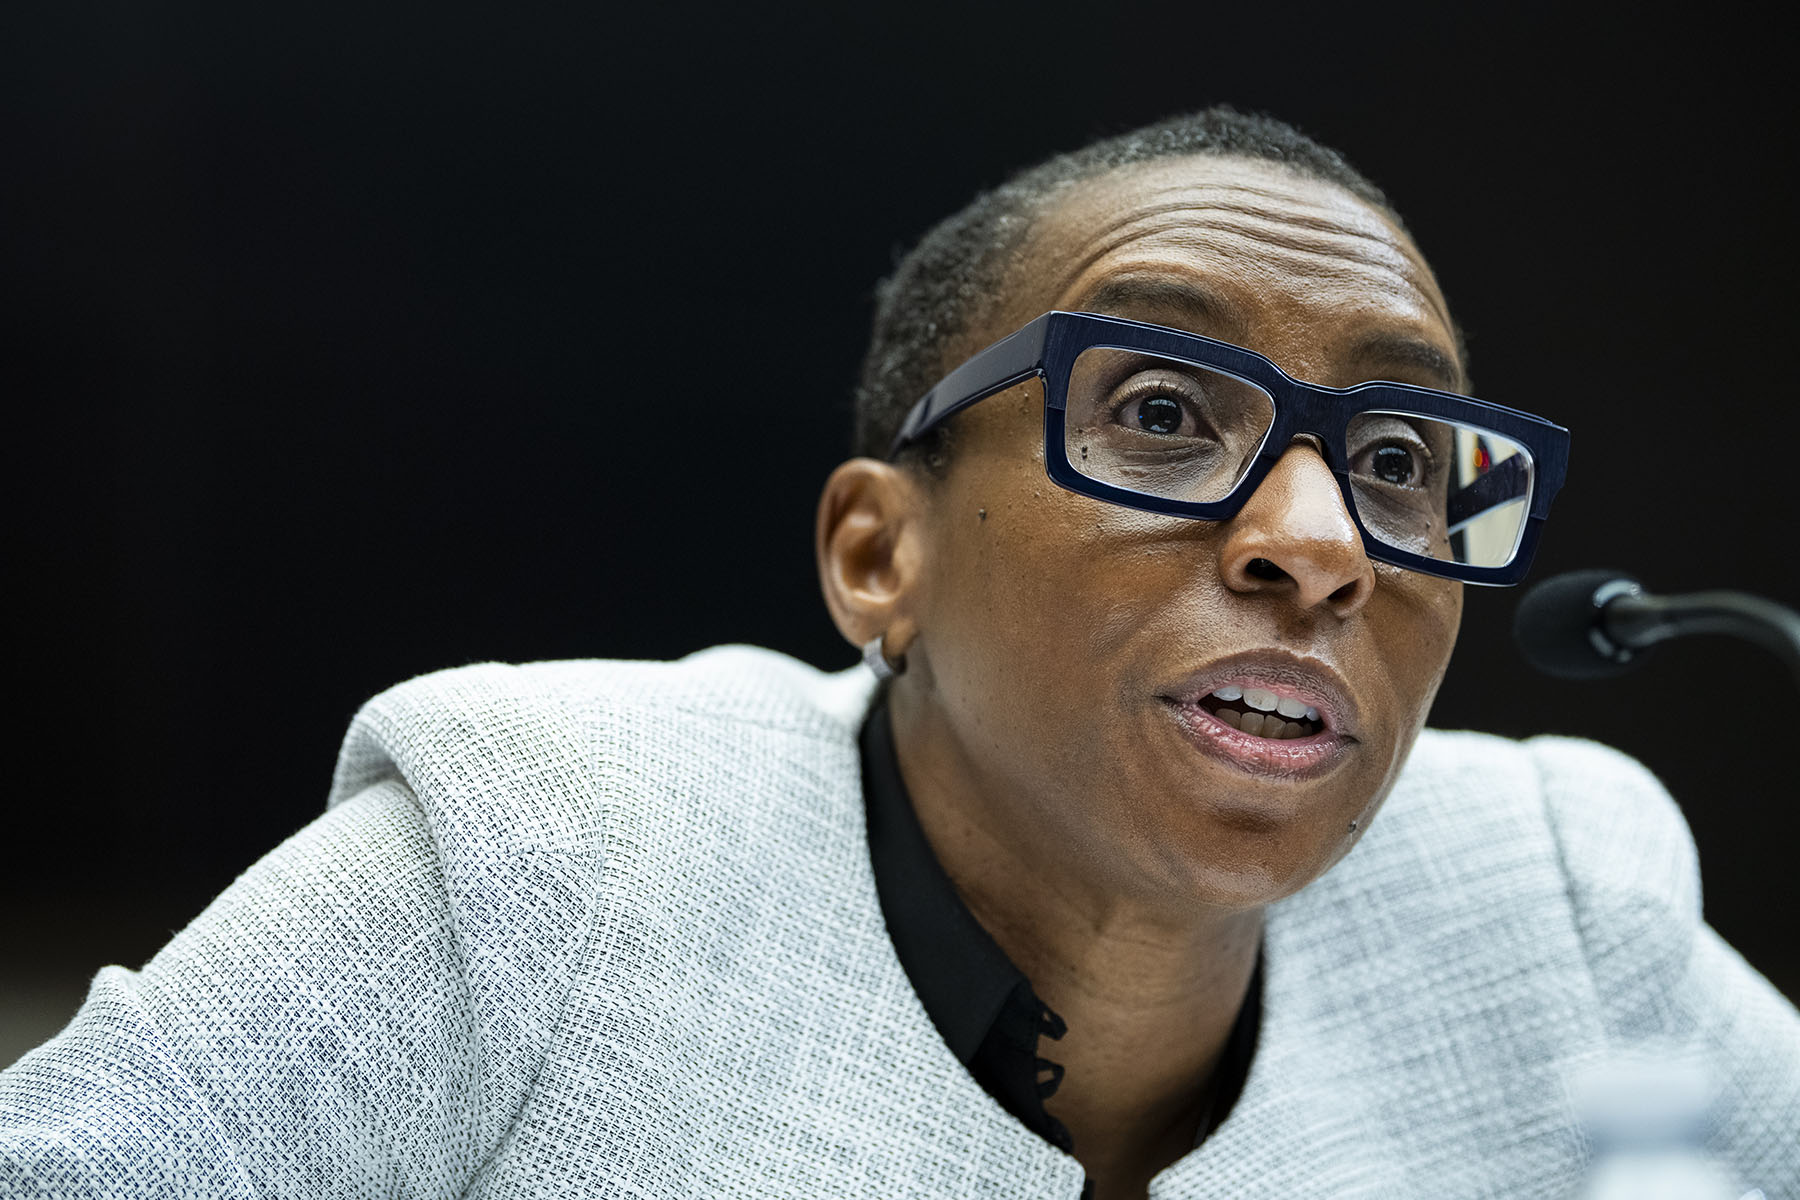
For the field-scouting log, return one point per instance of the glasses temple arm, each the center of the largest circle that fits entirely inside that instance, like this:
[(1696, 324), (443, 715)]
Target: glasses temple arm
[(1010, 360)]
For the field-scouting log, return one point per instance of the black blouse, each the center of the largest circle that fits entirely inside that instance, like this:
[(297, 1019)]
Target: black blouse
[(981, 1003)]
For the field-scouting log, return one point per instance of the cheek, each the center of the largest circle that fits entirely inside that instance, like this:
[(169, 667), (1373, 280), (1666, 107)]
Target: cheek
[(1020, 595), (1034, 611), (1413, 621), (1431, 615), (1079, 583)]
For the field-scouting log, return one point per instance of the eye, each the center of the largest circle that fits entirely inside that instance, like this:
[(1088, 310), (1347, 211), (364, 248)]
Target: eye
[(1162, 404), (1394, 464), (1391, 451), (1153, 414)]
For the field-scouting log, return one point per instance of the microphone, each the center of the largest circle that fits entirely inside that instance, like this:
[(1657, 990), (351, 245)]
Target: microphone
[(1593, 624)]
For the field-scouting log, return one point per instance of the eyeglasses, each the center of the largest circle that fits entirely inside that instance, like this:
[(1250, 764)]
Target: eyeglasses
[(1174, 423)]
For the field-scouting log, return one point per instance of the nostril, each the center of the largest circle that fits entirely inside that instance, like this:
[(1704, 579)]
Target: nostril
[(1262, 568)]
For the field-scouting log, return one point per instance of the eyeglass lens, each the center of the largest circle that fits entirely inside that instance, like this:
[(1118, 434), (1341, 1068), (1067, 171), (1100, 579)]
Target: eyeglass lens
[(1178, 430)]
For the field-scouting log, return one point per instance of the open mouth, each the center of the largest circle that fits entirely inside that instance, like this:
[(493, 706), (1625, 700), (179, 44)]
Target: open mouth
[(1269, 714), (1263, 713)]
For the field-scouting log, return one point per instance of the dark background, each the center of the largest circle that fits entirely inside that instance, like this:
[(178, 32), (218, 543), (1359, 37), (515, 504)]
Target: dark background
[(345, 342)]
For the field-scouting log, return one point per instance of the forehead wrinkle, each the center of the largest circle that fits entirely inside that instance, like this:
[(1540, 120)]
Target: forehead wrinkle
[(1191, 262), (1318, 257), (1303, 248), (1272, 260), (1275, 185), (1350, 219), (1114, 233), (1098, 209)]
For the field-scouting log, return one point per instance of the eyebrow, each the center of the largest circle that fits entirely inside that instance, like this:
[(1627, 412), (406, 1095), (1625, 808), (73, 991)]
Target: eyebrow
[(1404, 350), (1202, 306), (1206, 309)]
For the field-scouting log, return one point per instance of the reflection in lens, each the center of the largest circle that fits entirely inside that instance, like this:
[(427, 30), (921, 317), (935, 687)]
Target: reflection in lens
[(1438, 488), (1162, 426)]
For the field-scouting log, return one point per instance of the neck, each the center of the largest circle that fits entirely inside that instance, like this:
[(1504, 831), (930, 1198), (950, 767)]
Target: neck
[(1150, 988)]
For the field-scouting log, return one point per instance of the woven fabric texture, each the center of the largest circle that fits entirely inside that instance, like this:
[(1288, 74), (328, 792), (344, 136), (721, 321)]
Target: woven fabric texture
[(609, 929)]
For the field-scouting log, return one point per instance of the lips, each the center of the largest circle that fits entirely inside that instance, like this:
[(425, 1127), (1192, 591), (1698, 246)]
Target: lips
[(1268, 713)]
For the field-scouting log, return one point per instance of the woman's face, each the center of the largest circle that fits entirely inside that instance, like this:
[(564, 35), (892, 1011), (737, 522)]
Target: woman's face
[(1063, 644)]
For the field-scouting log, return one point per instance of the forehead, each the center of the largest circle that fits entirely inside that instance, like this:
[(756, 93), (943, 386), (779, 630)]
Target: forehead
[(1297, 268)]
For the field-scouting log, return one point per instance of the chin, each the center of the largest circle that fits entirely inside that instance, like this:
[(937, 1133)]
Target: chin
[(1229, 885), (1239, 844)]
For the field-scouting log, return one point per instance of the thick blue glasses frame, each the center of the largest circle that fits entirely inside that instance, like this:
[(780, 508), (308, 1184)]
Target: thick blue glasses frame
[(1048, 346)]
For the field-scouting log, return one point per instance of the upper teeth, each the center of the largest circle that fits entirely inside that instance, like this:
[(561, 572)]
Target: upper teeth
[(1267, 701)]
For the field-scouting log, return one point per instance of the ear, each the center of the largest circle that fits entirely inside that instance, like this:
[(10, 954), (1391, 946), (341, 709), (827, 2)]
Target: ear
[(869, 544)]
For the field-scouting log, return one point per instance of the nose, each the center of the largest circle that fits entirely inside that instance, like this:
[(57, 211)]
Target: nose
[(1295, 536)]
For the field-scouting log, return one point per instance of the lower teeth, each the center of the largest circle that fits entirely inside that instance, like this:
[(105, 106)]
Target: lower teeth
[(1264, 725)]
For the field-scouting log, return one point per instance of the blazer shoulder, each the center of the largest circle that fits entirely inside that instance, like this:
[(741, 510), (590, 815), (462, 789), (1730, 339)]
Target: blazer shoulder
[(1613, 827), (1633, 878), (1622, 837), (1563, 851), (523, 752), (1615, 839)]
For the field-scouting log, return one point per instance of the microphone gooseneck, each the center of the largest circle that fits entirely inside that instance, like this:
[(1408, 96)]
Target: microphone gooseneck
[(1594, 624)]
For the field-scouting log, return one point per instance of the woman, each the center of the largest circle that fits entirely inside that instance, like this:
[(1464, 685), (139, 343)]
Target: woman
[(1063, 904)]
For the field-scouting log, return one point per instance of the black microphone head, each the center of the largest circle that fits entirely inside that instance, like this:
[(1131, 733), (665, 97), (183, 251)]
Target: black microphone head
[(1556, 621)]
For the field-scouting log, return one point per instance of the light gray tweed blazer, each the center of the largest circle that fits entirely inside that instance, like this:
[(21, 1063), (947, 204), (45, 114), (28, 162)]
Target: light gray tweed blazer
[(609, 929)]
